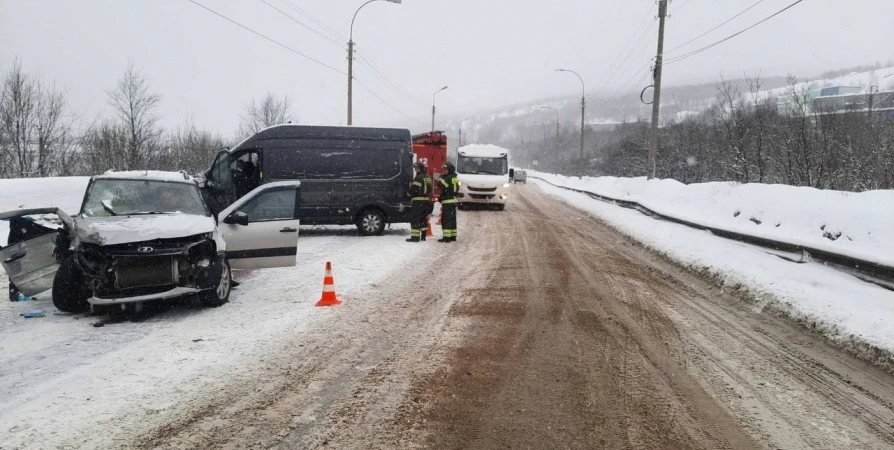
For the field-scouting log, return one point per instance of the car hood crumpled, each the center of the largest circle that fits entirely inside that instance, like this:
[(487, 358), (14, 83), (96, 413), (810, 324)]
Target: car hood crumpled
[(129, 229)]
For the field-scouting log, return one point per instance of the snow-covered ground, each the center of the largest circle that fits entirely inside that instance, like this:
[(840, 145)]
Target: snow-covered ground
[(847, 311), (852, 224), (128, 373)]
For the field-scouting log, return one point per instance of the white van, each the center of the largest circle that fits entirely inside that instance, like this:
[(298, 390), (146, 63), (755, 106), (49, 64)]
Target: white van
[(483, 172)]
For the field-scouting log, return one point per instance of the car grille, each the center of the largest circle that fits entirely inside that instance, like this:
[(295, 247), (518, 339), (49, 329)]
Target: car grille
[(482, 189), (482, 196), (144, 272)]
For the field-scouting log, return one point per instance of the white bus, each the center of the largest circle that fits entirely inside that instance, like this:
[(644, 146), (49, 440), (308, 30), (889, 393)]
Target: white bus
[(483, 172)]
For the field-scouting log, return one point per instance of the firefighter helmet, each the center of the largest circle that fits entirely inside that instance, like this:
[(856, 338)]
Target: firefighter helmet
[(420, 165), (450, 167)]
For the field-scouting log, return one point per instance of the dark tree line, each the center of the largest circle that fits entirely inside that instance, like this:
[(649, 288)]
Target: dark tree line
[(40, 136)]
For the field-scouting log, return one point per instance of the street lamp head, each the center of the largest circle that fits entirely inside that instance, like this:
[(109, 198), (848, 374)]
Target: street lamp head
[(443, 88), (393, 1)]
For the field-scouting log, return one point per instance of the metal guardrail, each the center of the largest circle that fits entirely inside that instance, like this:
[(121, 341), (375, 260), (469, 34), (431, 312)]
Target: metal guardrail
[(869, 271)]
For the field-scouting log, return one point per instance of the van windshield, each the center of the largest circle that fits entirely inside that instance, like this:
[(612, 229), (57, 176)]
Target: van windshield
[(482, 166)]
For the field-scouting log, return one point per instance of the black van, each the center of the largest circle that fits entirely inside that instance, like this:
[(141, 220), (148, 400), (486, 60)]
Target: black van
[(348, 175)]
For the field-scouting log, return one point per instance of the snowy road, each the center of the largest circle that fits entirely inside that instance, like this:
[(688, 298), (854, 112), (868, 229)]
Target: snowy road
[(543, 328)]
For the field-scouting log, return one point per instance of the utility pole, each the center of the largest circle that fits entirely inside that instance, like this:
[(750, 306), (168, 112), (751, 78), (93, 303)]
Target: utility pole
[(656, 101), (351, 60), (583, 108), (433, 109), (351, 82), (872, 90)]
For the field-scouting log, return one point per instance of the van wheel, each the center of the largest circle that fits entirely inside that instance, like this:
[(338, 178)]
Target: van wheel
[(69, 290), (220, 293), (371, 222), (13, 293)]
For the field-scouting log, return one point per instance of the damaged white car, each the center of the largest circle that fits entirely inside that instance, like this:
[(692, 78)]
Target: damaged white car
[(143, 236)]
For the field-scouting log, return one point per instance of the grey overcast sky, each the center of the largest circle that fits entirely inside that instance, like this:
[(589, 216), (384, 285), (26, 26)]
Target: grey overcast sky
[(490, 52)]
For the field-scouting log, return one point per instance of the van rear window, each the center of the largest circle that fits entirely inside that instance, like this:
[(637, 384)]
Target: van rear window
[(319, 164)]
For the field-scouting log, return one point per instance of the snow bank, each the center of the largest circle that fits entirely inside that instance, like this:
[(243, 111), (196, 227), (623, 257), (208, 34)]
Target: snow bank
[(859, 225), (853, 314)]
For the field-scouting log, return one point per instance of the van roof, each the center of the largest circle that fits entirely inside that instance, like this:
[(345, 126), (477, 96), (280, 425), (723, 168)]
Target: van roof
[(289, 131)]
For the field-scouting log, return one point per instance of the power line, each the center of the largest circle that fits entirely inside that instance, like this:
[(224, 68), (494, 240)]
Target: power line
[(715, 28), (386, 103), (628, 60), (623, 99), (377, 73), (682, 6), (316, 21), (708, 47), (284, 46), (266, 38), (293, 19), (624, 53)]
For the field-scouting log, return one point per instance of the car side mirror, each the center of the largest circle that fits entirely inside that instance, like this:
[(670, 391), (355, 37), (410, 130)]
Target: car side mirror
[(237, 218)]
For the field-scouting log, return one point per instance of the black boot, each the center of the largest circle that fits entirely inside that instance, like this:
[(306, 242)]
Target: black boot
[(413, 239), (444, 239)]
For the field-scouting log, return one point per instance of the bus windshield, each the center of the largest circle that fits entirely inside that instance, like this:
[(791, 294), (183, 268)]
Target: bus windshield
[(482, 166)]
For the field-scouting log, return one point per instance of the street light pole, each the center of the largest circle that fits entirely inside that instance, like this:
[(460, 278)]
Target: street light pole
[(433, 107), (557, 122), (583, 108), (556, 150), (461, 131), (351, 61)]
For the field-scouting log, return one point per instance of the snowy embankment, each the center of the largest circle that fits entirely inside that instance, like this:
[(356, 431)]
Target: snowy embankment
[(858, 225), (851, 313)]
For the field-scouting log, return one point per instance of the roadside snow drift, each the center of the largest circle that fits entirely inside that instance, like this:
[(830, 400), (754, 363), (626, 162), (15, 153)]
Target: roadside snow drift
[(859, 225)]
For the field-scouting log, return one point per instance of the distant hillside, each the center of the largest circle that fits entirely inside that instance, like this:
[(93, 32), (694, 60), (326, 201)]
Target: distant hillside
[(677, 101)]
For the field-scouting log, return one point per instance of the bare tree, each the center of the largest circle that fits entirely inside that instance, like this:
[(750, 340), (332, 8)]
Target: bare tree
[(189, 148), (266, 113), (134, 105), (34, 125)]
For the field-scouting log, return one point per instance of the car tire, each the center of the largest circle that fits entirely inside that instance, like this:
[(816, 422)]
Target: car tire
[(13, 293), (70, 293), (371, 222), (223, 284)]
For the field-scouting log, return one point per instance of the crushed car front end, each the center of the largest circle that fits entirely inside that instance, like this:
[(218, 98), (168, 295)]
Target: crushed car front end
[(147, 270)]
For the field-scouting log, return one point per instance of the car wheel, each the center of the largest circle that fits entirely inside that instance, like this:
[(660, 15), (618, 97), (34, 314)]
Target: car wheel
[(371, 222), (220, 293), (13, 293), (70, 292)]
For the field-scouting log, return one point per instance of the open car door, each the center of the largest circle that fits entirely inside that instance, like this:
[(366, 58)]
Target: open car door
[(261, 228), (29, 257)]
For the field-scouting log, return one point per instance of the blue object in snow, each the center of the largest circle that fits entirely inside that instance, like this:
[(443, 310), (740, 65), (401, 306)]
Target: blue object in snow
[(32, 314)]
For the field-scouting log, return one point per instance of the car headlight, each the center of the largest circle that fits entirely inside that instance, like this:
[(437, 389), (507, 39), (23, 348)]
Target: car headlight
[(91, 258), (506, 185)]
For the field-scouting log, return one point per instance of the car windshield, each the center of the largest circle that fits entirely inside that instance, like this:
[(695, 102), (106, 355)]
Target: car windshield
[(138, 197), (482, 166)]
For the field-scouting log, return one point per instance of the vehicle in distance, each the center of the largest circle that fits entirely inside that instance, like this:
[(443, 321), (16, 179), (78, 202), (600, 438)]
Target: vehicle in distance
[(483, 172)]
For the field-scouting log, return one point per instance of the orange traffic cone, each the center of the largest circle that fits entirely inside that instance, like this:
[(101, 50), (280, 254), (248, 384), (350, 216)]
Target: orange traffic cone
[(428, 231), (329, 298)]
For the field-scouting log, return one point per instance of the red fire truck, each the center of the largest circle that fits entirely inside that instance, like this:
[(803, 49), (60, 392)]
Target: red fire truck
[(431, 148)]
